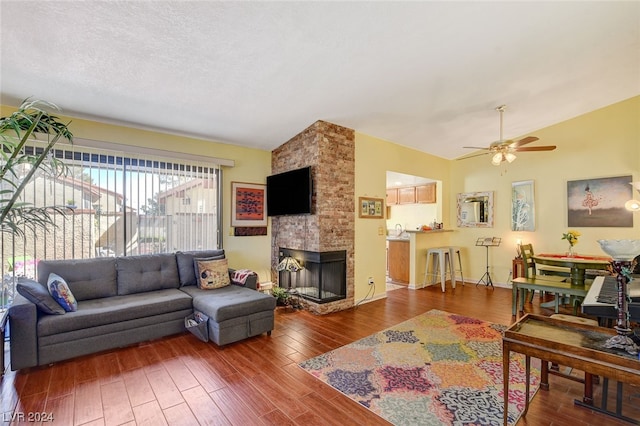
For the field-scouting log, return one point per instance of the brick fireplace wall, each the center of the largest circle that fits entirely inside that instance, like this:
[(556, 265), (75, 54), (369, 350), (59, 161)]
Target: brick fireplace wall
[(330, 151)]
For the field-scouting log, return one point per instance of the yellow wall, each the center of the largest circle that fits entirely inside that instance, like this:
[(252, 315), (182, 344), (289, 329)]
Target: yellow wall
[(251, 165), (374, 157), (603, 143)]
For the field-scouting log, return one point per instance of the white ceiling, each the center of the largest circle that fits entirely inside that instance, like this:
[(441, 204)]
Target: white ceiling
[(427, 75)]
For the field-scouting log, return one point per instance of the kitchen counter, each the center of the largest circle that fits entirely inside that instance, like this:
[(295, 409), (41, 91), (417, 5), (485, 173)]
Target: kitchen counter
[(398, 238), (409, 252), (398, 259), (408, 233)]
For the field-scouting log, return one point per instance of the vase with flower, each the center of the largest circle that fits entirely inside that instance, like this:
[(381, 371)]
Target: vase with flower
[(572, 237)]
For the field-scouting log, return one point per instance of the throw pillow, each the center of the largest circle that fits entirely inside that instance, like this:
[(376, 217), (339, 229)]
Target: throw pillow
[(36, 293), (196, 272), (60, 291), (212, 273), (187, 268)]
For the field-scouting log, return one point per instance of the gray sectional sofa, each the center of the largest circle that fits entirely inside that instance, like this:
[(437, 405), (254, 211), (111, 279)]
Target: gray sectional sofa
[(127, 300)]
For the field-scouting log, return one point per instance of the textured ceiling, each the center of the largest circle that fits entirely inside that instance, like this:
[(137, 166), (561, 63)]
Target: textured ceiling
[(427, 75)]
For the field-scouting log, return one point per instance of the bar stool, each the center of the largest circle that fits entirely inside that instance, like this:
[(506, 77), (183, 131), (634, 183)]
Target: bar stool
[(440, 258), (453, 251)]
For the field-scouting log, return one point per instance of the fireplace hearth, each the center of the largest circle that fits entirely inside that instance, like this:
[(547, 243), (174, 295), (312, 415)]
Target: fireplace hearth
[(323, 277)]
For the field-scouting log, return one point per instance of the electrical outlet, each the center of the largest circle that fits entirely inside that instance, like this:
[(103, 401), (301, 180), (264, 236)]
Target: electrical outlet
[(370, 280)]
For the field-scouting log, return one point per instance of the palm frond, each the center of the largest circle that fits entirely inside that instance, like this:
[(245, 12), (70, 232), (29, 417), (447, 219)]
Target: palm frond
[(30, 120)]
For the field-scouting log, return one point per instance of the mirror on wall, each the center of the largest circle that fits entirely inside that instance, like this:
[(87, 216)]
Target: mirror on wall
[(475, 209)]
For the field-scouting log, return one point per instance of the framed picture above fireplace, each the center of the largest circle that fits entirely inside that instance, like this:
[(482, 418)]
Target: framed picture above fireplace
[(371, 208)]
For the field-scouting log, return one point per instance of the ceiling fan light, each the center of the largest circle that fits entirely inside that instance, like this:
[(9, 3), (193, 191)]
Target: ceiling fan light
[(510, 157), (632, 205), (497, 159)]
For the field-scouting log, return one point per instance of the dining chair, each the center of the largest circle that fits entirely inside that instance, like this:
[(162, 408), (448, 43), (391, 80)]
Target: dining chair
[(528, 264), (530, 271), (529, 268)]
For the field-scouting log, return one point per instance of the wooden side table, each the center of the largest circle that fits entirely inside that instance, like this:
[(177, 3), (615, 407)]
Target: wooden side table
[(4, 315), (580, 346), (517, 267)]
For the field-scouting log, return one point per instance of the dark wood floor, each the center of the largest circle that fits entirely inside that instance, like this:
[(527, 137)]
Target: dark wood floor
[(182, 381)]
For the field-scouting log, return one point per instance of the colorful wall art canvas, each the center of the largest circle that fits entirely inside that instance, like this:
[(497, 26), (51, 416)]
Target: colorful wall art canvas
[(599, 202), (248, 207)]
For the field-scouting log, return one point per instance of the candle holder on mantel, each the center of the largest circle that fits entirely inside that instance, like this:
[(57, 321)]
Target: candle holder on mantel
[(623, 252)]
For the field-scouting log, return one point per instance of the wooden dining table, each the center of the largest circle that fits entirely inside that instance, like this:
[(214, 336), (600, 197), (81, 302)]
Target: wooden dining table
[(577, 263)]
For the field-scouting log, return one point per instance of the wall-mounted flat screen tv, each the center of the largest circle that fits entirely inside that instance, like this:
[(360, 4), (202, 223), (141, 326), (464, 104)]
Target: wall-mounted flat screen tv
[(289, 192)]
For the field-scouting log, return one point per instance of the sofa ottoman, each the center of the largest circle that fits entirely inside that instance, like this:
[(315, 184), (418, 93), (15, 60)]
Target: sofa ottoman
[(236, 311)]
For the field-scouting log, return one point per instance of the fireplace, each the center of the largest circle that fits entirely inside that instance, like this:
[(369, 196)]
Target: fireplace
[(323, 277)]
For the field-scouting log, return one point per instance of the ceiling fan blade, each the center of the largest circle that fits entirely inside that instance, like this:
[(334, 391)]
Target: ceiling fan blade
[(476, 147), (471, 156), (523, 141), (536, 148)]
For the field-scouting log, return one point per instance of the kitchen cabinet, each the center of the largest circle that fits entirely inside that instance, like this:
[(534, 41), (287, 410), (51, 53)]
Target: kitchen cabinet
[(407, 195), (398, 261), (392, 196), (426, 193), (421, 194)]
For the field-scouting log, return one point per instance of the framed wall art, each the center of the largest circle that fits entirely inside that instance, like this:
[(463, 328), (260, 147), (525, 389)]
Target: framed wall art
[(523, 206), (248, 204), (599, 202), (371, 208)]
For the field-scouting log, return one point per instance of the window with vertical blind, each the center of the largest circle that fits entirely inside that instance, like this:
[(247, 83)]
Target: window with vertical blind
[(119, 204)]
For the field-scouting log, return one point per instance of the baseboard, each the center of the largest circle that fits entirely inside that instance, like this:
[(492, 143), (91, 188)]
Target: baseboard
[(373, 299), (466, 282)]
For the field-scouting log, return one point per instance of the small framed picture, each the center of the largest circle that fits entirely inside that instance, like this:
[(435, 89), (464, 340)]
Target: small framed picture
[(371, 208), (248, 204)]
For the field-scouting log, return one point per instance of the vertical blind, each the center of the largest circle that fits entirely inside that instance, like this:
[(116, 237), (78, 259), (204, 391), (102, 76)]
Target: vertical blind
[(117, 204)]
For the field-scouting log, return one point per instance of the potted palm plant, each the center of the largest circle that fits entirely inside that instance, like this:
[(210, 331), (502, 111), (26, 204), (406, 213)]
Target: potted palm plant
[(32, 121)]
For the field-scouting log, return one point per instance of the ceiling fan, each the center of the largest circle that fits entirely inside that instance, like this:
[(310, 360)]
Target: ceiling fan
[(503, 150)]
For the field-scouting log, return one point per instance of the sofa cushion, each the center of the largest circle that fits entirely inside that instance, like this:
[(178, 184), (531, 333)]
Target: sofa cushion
[(138, 274), (109, 310), (229, 302), (186, 265), (36, 293), (84, 341), (86, 278), (212, 273), (59, 290)]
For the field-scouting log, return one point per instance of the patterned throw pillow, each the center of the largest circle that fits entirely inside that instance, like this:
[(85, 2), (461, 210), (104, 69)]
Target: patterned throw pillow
[(60, 291), (38, 294), (213, 274)]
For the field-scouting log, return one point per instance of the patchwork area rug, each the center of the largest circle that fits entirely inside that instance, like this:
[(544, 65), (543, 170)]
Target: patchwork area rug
[(435, 369)]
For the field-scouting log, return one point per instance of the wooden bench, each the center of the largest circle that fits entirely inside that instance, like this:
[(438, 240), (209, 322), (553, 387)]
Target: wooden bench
[(553, 270), (548, 284)]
